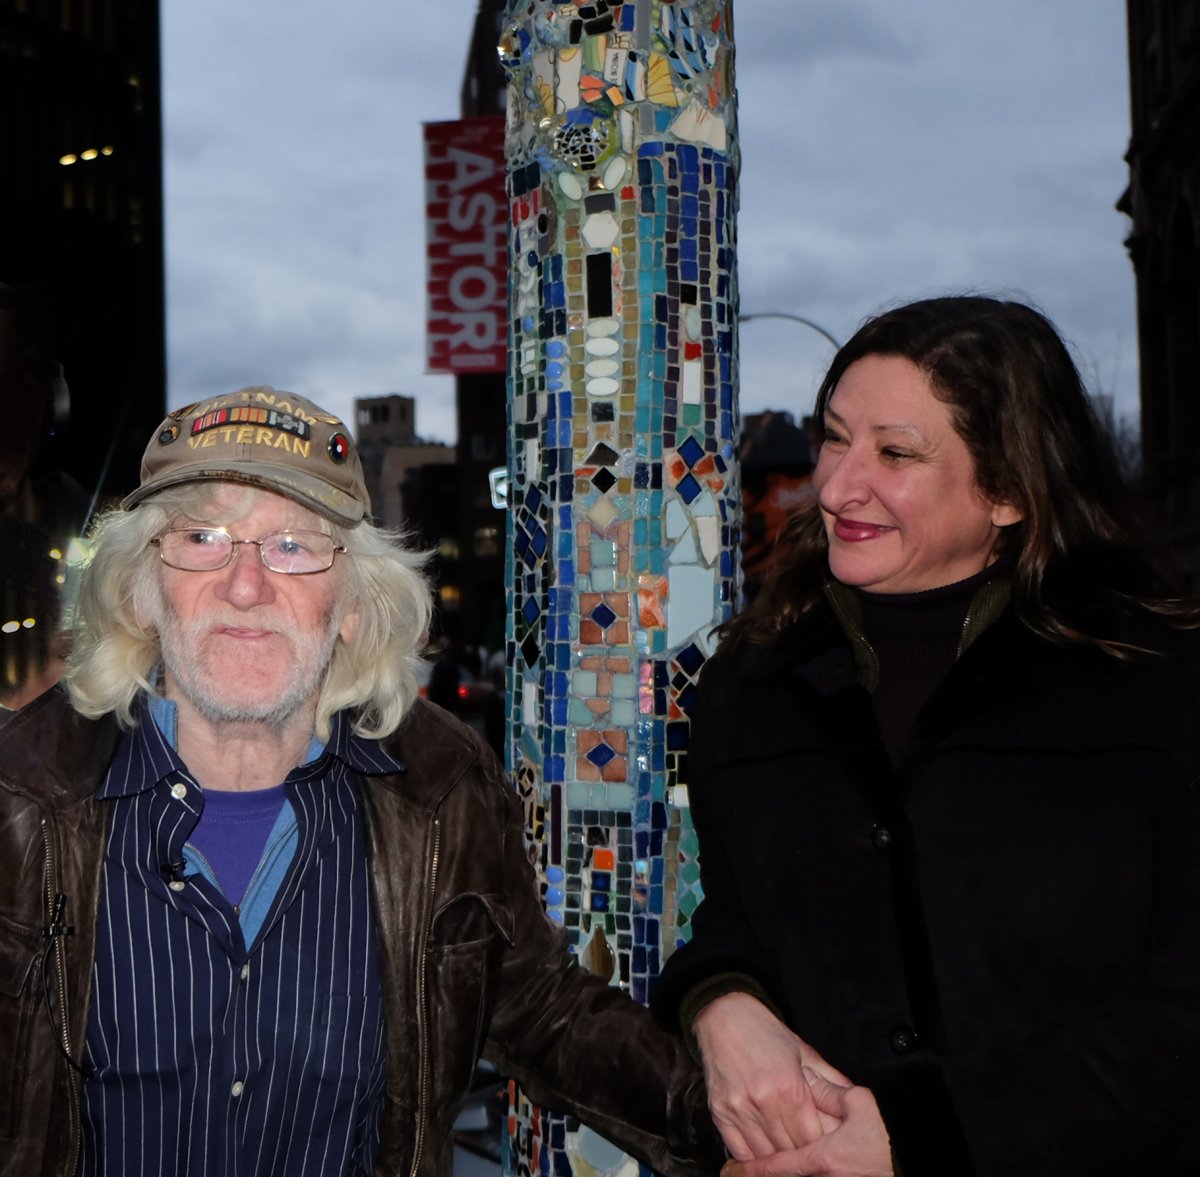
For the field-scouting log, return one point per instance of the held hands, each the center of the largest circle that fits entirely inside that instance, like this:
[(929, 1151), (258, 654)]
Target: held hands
[(781, 1109), (857, 1147), (757, 1092)]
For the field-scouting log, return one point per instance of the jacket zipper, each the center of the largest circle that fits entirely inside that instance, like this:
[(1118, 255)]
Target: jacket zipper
[(60, 970), (423, 1004), (962, 633)]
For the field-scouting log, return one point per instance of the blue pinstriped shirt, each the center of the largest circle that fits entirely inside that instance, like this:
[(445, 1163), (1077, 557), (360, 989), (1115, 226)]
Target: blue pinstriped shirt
[(211, 1057)]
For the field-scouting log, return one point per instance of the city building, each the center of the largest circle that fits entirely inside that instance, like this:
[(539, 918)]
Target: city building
[(439, 495), (1163, 200), (81, 220)]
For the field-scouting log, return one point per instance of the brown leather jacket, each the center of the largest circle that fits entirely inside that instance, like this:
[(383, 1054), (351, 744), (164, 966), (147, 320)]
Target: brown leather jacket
[(470, 964)]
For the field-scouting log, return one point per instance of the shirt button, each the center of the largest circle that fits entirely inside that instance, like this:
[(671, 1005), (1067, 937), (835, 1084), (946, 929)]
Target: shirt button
[(882, 837), (177, 884), (245, 971), (236, 1089), (179, 790), (903, 1040)]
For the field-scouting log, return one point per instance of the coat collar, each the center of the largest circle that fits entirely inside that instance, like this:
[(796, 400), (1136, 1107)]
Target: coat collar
[(49, 750)]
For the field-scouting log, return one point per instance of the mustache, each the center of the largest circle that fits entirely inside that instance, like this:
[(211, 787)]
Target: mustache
[(204, 624)]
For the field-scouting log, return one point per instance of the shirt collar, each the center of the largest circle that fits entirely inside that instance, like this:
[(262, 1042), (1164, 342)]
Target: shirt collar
[(146, 754)]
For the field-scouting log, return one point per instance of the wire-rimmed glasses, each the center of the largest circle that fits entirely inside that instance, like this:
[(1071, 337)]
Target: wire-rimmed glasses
[(207, 549)]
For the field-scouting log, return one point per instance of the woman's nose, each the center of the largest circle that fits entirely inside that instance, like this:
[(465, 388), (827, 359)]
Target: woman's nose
[(840, 479)]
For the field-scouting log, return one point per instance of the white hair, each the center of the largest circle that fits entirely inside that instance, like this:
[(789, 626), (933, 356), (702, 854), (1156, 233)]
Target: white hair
[(115, 650)]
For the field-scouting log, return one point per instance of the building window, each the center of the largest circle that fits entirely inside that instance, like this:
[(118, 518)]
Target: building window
[(487, 541), (448, 547), (483, 447), (450, 597)]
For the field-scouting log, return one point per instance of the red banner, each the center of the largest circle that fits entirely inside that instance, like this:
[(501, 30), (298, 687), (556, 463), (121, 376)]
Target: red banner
[(466, 250)]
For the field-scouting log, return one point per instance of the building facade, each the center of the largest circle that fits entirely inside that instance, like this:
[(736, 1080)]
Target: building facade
[(1163, 200), (81, 219)]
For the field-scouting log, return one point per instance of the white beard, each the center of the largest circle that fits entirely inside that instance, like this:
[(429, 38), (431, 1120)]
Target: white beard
[(217, 701)]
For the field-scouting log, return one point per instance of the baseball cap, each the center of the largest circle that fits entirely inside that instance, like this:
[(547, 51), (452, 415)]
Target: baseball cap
[(265, 437)]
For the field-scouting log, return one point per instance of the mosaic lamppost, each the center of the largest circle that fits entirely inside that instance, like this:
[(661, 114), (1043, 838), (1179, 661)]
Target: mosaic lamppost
[(624, 498)]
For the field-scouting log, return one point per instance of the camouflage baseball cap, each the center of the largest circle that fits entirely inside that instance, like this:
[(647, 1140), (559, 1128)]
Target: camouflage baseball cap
[(276, 440)]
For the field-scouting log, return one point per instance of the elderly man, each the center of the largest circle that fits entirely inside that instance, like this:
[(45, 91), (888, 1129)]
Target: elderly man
[(263, 908)]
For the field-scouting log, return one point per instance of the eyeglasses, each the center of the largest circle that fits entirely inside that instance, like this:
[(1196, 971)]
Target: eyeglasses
[(205, 549)]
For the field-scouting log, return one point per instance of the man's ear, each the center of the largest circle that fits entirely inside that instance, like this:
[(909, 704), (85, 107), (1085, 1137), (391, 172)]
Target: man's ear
[(350, 622)]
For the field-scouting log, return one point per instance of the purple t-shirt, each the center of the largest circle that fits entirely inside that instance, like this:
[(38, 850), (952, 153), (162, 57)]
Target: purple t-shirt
[(232, 834)]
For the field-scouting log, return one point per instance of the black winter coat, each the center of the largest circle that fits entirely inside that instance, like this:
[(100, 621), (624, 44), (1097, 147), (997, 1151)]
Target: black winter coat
[(1001, 937)]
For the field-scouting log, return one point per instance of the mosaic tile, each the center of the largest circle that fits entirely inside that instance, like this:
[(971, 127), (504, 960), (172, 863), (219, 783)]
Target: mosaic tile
[(622, 411)]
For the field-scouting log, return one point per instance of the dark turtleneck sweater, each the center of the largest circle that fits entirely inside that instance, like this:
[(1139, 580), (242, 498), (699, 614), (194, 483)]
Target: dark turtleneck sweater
[(916, 637)]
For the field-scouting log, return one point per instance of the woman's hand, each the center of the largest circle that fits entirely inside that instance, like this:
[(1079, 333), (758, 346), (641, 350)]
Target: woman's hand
[(857, 1147), (758, 1095)]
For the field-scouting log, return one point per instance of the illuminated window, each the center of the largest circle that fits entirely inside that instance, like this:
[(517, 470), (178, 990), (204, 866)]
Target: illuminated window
[(487, 541), (448, 547), (450, 597)]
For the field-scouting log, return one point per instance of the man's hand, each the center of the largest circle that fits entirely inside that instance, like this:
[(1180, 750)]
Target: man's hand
[(759, 1097), (857, 1147)]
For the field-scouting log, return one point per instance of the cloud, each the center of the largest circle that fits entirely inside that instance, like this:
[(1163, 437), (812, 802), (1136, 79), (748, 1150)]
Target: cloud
[(888, 151)]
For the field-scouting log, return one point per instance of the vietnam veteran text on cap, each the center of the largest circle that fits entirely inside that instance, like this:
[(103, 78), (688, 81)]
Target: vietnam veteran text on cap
[(265, 437)]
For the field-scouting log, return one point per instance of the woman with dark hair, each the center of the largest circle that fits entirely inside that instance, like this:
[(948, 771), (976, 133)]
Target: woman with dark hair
[(945, 779)]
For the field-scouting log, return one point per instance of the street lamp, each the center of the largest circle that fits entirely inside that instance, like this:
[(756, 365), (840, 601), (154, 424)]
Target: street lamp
[(795, 319)]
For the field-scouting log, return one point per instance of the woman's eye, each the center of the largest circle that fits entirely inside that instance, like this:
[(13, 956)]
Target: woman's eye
[(895, 455), (202, 539), (289, 546)]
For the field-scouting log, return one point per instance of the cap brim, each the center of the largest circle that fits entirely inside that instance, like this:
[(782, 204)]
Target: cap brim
[(319, 496)]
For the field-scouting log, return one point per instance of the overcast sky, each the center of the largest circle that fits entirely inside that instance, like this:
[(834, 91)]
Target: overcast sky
[(890, 150)]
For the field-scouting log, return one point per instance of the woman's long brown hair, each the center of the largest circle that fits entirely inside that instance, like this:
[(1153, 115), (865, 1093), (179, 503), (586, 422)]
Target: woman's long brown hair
[(1081, 556)]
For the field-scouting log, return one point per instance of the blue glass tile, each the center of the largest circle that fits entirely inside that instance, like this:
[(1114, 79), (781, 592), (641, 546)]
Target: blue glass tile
[(599, 902), (691, 451), (600, 755), (688, 488), (603, 616)]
